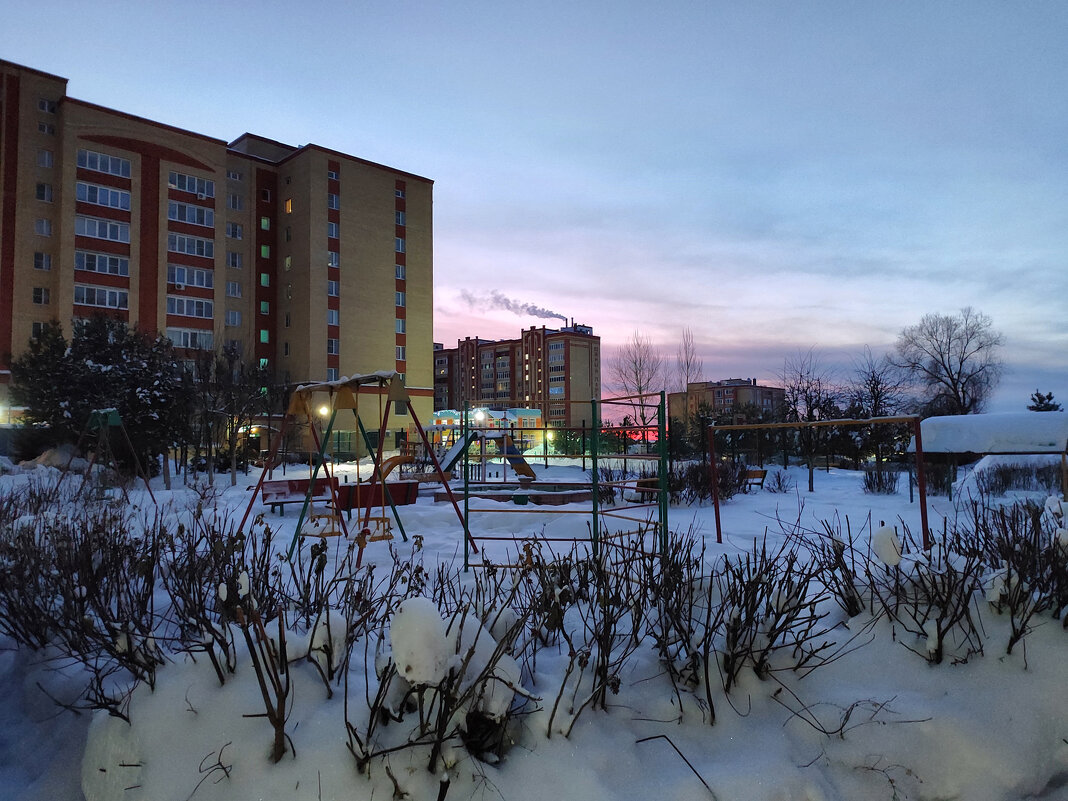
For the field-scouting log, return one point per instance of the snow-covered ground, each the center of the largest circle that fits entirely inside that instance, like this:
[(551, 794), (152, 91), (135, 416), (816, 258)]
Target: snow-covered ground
[(994, 727)]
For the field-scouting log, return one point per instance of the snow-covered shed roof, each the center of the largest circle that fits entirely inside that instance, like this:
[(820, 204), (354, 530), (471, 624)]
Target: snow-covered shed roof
[(1004, 432)]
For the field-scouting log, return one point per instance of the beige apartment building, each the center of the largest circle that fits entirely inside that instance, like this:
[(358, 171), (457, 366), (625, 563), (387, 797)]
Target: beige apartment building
[(723, 396), (555, 370), (316, 263)]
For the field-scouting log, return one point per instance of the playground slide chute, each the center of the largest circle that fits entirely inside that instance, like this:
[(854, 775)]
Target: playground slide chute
[(515, 458), (452, 455), (390, 464)]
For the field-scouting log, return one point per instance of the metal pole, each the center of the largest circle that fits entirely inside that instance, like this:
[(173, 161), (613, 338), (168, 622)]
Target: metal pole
[(662, 496), (712, 459), (921, 483), (595, 413)]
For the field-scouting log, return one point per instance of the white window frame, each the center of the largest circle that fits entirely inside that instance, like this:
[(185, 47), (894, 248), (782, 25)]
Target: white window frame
[(191, 183), (401, 299), (190, 213), (181, 306), (102, 162), (101, 297), (101, 228), (191, 245), (42, 227), (233, 289), (235, 230), (332, 289), (233, 318), (102, 263), (333, 230), (102, 196)]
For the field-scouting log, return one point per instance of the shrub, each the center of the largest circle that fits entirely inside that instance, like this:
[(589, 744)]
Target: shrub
[(881, 481)]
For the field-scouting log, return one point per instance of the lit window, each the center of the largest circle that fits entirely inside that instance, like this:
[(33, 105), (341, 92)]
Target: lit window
[(288, 205), (265, 336), (265, 251), (42, 261), (265, 223), (40, 295), (265, 307), (288, 262), (45, 157), (265, 279)]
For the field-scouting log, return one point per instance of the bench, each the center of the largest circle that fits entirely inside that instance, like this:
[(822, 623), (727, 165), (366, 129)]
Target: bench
[(362, 496), (755, 478), (277, 494)]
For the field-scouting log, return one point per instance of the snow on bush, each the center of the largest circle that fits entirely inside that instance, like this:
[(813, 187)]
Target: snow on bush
[(420, 643)]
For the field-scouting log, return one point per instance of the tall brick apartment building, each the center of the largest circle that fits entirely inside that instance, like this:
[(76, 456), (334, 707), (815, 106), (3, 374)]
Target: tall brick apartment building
[(315, 262), (555, 370)]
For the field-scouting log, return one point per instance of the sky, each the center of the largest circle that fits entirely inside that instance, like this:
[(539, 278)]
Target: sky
[(775, 176)]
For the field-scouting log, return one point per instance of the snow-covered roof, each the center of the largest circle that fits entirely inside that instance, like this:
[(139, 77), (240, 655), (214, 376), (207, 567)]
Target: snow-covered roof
[(1005, 432)]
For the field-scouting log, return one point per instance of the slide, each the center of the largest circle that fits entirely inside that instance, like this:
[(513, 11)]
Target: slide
[(390, 464), (453, 455), (515, 458)]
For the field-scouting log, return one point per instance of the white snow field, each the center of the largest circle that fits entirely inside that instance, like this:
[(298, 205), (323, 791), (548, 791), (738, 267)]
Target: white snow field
[(987, 727)]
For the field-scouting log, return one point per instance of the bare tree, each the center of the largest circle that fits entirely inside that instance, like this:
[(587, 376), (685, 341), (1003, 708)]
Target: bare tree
[(811, 395), (688, 364), (638, 369), (954, 359), (877, 388)]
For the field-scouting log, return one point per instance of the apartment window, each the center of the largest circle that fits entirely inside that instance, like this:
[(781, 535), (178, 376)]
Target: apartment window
[(400, 353), (400, 298), (399, 217), (190, 307), (42, 227), (333, 317), (400, 272), (332, 289), (44, 192), (233, 318), (332, 175), (288, 205), (401, 325), (285, 348), (265, 336), (398, 192), (265, 223), (234, 175), (190, 276), (101, 162), (265, 279), (333, 258), (331, 374), (265, 307), (287, 263), (333, 201), (333, 230), (191, 245), (333, 347), (265, 251), (188, 213), (287, 320), (46, 105), (103, 297), (45, 158), (191, 338), (235, 230), (235, 201), (235, 260), (46, 128), (265, 195), (399, 244), (103, 263), (103, 196), (42, 261), (40, 295), (190, 183), (289, 233), (102, 229), (36, 329)]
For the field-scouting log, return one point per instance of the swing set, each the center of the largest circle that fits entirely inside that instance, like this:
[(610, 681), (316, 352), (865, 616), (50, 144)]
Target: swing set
[(315, 402)]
